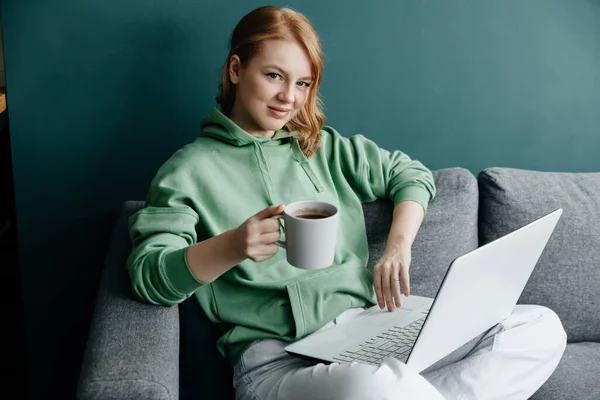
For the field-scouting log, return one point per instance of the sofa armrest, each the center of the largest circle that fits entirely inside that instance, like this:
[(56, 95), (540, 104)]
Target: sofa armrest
[(132, 350)]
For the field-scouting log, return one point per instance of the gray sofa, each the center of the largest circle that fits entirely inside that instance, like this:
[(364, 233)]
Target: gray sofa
[(140, 351)]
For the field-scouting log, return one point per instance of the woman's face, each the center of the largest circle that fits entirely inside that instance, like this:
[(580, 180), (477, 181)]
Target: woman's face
[(271, 88)]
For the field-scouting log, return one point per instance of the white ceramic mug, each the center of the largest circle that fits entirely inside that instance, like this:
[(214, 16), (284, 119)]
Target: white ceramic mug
[(311, 229)]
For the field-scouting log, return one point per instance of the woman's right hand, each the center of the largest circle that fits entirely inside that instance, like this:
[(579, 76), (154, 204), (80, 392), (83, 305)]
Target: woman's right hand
[(257, 237)]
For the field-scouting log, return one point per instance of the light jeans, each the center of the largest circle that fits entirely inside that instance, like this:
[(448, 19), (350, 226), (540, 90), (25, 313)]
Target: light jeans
[(510, 361)]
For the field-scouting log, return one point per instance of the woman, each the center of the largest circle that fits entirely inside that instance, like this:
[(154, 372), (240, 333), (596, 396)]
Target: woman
[(207, 231)]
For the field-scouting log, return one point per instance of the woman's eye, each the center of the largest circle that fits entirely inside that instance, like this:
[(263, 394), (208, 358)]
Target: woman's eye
[(274, 75), (303, 84)]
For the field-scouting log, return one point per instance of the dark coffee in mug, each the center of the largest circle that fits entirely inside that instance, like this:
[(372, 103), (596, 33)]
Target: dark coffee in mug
[(312, 213), (311, 230)]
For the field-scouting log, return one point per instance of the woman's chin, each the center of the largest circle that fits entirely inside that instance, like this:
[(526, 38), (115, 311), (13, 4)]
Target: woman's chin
[(274, 126)]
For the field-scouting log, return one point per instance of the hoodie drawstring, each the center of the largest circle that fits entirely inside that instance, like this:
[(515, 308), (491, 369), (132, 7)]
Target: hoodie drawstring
[(300, 159), (264, 171), (303, 161)]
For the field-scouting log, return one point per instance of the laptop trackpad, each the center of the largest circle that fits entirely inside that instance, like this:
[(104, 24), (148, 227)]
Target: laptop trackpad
[(407, 304)]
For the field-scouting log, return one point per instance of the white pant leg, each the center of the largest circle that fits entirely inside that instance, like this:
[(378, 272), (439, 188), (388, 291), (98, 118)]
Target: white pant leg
[(267, 372), (511, 361)]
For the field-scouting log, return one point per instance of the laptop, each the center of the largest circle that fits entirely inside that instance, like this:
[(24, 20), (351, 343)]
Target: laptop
[(479, 289)]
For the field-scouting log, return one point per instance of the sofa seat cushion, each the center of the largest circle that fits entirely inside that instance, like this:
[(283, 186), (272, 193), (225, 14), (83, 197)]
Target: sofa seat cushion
[(576, 377), (448, 230), (567, 275)]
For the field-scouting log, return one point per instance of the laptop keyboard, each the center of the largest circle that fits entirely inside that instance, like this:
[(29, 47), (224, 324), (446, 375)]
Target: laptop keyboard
[(395, 342)]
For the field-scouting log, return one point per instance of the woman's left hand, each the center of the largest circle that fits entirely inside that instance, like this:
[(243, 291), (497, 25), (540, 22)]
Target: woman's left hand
[(390, 272)]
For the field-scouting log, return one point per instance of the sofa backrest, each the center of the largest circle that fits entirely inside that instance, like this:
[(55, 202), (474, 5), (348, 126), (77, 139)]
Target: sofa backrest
[(449, 229), (567, 276)]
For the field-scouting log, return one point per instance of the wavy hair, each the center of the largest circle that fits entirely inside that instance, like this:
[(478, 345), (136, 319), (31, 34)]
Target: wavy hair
[(267, 23)]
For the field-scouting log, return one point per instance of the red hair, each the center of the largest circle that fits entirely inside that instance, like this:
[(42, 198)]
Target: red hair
[(267, 23)]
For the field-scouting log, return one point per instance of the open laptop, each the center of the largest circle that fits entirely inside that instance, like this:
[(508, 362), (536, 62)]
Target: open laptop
[(480, 289)]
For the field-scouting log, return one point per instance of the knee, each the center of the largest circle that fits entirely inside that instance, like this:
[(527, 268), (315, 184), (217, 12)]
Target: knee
[(551, 327), (541, 324), (386, 382), (361, 382)]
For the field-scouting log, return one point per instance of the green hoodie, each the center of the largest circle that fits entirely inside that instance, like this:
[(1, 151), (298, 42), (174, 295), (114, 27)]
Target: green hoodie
[(227, 175)]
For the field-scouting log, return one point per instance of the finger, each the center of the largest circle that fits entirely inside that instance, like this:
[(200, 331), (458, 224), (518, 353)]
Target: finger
[(395, 283), (269, 212), (267, 250), (271, 237), (377, 284), (405, 278), (387, 290), (269, 225)]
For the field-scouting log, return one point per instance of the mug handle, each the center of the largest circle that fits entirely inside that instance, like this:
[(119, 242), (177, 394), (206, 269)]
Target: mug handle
[(280, 243)]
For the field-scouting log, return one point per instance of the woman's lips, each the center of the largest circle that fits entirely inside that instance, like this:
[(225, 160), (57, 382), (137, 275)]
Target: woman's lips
[(279, 112)]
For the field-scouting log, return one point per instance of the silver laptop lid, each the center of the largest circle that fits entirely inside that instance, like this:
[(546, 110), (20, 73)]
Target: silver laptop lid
[(480, 289)]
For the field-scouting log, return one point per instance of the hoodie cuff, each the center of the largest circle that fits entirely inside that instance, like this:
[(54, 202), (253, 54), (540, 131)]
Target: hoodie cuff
[(413, 193), (179, 274)]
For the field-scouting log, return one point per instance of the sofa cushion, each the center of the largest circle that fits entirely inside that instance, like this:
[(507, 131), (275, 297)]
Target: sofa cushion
[(132, 347), (567, 276), (576, 377), (449, 229)]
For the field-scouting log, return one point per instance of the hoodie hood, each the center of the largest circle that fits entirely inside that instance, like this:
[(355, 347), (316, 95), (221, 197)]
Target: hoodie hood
[(218, 126)]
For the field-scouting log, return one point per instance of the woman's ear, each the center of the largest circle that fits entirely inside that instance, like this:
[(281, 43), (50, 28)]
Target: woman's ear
[(235, 65)]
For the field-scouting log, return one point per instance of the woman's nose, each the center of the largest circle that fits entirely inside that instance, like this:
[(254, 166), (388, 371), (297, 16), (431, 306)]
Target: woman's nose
[(286, 94)]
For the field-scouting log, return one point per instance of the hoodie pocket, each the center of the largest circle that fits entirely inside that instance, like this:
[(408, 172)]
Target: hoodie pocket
[(319, 298)]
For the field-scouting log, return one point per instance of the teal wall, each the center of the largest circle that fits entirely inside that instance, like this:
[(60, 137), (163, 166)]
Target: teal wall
[(101, 92)]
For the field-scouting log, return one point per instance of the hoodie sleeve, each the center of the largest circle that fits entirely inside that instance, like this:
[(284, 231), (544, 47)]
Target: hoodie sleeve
[(378, 173), (160, 234)]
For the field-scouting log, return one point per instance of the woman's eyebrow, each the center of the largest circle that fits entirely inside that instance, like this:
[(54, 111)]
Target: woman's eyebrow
[(284, 73)]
